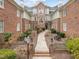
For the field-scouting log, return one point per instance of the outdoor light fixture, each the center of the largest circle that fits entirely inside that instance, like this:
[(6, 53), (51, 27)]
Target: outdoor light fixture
[(27, 40)]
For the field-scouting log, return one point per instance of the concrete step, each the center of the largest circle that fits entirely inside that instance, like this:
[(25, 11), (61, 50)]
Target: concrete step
[(41, 58), (43, 54)]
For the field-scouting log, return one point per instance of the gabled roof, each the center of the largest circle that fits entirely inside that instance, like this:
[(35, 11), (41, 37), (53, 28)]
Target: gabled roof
[(15, 4), (38, 3)]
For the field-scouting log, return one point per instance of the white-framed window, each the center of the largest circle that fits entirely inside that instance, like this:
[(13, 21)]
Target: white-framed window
[(35, 11), (41, 11), (64, 26), (1, 3), (47, 11), (65, 12), (18, 27), (1, 26), (18, 13)]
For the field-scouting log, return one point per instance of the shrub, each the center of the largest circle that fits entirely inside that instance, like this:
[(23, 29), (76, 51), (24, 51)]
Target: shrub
[(61, 34), (7, 54), (53, 31), (7, 36), (25, 34), (73, 46)]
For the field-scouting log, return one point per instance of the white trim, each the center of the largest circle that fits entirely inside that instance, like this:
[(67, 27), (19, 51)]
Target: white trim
[(65, 27), (2, 27), (18, 27), (2, 6)]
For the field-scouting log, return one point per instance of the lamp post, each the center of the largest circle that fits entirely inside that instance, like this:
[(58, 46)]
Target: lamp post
[(27, 40)]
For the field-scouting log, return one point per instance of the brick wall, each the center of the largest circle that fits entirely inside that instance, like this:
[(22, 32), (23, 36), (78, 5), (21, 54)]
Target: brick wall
[(72, 19), (25, 24), (8, 16), (56, 24)]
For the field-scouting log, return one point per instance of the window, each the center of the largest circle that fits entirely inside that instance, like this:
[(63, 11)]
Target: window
[(64, 26), (41, 11), (18, 27), (1, 27), (65, 12), (34, 11), (18, 13), (2, 3), (47, 11)]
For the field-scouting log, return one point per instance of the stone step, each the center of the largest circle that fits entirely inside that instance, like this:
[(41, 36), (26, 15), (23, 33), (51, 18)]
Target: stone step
[(40, 52), (43, 54), (41, 58)]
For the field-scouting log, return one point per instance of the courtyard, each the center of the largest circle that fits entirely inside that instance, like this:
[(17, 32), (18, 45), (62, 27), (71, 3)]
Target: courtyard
[(39, 29)]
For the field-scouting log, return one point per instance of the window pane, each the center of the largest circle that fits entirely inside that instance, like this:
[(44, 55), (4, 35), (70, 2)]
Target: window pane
[(34, 11), (18, 27), (1, 27), (1, 3), (18, 13), (64, 26)]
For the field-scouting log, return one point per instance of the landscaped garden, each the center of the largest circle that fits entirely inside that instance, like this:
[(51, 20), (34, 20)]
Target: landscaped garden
[(7, 52)]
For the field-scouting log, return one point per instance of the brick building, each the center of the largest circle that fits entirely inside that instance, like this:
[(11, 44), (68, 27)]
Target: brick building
[(11, 18), (17, 19), (41, 15), (69, 19)]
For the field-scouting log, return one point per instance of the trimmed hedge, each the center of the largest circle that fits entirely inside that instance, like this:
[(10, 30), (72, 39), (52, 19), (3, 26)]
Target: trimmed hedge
[(73, 47), (25, 34), (7, 35), (61, 34), (53, 31), (7, 54)]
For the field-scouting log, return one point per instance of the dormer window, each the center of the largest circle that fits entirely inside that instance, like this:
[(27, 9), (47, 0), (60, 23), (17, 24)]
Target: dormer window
[(1, 3)]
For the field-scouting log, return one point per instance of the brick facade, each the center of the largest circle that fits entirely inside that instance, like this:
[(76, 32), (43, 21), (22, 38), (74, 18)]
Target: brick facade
[(72, 18), (8, 15), (56, 24), (25, 25)]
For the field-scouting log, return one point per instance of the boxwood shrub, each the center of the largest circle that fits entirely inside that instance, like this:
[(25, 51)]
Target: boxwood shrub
[(7, 35), (53, 31), (61, 34), (25, 34), (7, 54)]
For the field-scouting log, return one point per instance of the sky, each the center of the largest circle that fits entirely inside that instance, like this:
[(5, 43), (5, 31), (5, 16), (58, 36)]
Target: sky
[(50, 3)]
